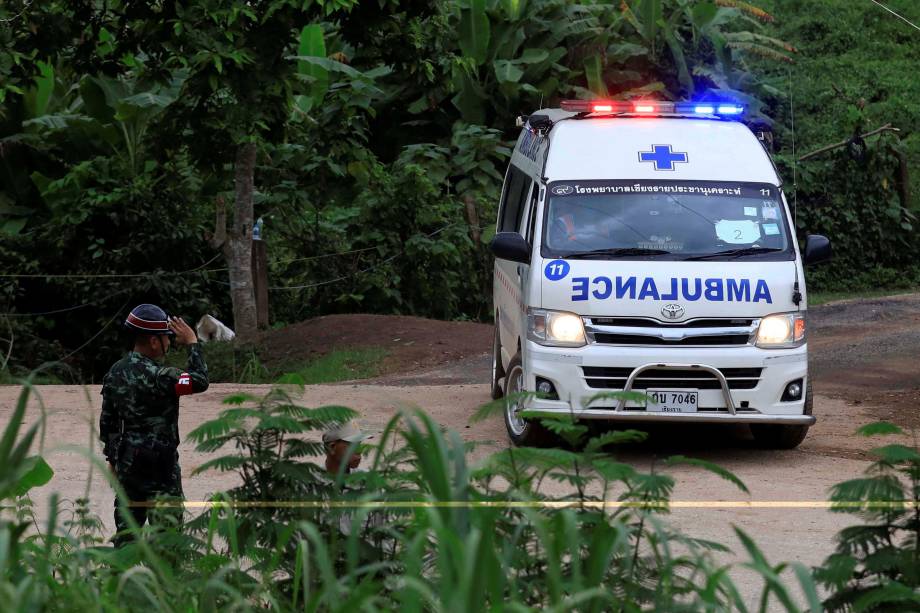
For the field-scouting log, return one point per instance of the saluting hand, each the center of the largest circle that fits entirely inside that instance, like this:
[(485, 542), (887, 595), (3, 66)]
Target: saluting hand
[(184, 333)]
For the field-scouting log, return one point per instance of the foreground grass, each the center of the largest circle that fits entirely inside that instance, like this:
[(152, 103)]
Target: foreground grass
[(424, 530)]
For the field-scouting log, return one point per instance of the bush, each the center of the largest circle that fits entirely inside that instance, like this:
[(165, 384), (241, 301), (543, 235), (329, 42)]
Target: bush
[(877, 564), (420, 529), (855, 199)]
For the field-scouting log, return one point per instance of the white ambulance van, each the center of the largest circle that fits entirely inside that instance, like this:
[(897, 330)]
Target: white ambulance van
[(648, 247)]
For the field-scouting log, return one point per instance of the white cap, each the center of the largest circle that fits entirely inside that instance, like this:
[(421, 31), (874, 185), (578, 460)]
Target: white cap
[(348, 432)]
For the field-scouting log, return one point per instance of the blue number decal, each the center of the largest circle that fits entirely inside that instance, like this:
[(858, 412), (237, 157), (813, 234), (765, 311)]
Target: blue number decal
[(556, 270)]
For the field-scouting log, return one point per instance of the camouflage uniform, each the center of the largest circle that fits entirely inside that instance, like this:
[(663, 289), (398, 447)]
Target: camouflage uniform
[(139, 425)]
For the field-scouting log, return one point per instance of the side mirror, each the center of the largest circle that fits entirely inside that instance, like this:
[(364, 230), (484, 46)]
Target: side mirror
[(817, 249), (510, 246)]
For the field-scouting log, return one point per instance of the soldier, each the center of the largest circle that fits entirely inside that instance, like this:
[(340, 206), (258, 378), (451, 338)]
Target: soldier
[(139, 424)]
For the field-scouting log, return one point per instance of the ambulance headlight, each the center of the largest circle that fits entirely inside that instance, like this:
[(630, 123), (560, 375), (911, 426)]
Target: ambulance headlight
[(555, 328), (781, 331)]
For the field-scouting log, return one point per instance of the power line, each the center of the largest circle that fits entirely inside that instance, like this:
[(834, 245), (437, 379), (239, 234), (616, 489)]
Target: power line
[(337, 279), (111, 275), (101, 330), (198, 269), (83, 276), (360, 272), (94, 302), (201, 269), (68, 309), (324, 255), (901, 17)]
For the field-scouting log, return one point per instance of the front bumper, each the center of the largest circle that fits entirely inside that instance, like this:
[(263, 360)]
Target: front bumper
[(758, 404)]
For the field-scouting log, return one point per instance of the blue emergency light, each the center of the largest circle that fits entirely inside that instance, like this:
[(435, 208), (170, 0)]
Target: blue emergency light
[(654, 107)]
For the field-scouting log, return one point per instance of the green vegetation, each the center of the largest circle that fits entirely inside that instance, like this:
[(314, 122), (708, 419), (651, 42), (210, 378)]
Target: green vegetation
[(819, 298), (229, 363), (422, 529), (343, 365), (877, 565), (374, 136), (853, 73), (879, 281), (853, 70)]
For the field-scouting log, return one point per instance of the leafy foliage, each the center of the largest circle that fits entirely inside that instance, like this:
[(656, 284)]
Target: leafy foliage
[(875, 567), (864, 195), (382, 132), (420, 529)]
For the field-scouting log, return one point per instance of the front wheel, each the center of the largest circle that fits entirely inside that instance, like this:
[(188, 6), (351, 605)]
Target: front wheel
[(522, 432), (776, 436)]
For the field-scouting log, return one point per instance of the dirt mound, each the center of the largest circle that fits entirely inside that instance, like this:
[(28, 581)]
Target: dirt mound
[(412, 343)]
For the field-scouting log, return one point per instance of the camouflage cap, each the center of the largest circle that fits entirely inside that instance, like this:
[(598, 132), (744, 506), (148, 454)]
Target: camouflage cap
[(148, 319)]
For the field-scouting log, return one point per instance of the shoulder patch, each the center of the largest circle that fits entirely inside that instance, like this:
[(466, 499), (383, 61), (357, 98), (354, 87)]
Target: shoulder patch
[(184, 385)]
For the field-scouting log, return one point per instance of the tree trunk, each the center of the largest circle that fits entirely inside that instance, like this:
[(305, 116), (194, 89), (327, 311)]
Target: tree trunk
[(239, 245), (472, 219)]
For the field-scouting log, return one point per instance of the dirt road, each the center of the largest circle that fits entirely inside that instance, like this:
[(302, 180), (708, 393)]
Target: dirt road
[(863, 368)]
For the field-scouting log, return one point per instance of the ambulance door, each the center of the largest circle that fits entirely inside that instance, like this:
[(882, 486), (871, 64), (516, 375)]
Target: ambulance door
[(528, 221), (510, 277)]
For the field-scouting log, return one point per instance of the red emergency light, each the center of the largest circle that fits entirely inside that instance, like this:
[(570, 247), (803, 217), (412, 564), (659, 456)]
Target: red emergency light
[(652, 107)]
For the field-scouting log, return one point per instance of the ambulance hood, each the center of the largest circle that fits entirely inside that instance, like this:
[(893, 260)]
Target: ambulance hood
[(666, 290)]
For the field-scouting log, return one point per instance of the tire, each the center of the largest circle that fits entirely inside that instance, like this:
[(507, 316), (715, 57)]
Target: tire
[(775, 436), (498, 372), (522, 432)]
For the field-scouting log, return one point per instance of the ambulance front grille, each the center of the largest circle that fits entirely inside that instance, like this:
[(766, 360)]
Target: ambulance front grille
[(693, 333), (600, 377)]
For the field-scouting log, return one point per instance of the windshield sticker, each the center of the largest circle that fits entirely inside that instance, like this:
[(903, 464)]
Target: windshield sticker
[(769, 213), (750, 211), (738, 231), (556, 270), (637, 288), (770, 229)]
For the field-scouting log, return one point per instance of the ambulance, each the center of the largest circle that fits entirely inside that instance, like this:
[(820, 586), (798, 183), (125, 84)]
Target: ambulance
[(647, 247)]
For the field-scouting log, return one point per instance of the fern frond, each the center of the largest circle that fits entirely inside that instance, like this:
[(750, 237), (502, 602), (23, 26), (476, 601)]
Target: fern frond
[(222, 464)]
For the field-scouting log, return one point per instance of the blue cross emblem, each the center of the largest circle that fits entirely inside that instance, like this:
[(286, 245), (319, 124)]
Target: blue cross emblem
[(663, 157)]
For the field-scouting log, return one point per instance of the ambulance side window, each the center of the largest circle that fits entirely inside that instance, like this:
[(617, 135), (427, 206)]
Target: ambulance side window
[(512, 206), (533, 214)]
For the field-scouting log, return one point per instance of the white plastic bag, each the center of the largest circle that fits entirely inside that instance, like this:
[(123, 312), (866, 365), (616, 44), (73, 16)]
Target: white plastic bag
[(212, 329)]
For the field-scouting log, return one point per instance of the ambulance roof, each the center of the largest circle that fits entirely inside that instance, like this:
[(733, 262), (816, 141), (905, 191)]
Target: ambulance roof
[(661, 147)]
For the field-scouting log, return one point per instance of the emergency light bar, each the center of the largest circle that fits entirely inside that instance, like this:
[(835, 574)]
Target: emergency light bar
[(653, 107)]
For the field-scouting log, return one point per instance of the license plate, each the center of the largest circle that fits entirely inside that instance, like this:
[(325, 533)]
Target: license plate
[(672, 401)]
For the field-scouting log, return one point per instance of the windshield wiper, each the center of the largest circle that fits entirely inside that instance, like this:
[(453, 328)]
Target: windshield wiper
[(600, 253), (734, 253)]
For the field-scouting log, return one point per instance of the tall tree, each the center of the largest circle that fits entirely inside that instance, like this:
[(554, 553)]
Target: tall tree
[(238, 91)]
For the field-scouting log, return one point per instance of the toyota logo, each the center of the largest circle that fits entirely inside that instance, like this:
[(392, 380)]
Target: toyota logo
[(672, 311), (563, 190)]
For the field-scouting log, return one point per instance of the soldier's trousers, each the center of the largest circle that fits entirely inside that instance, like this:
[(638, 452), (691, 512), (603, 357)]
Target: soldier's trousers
[(146, 484)]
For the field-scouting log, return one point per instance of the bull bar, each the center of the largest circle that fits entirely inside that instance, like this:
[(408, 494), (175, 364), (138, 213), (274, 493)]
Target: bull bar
[(619, 413)]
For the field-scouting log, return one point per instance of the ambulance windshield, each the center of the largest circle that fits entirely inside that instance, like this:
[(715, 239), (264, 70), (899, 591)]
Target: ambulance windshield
[(669, 220)]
